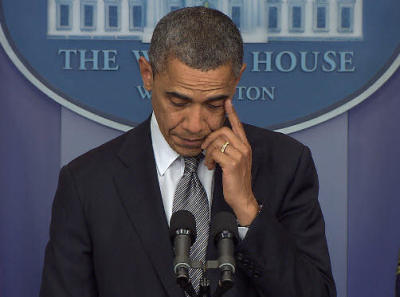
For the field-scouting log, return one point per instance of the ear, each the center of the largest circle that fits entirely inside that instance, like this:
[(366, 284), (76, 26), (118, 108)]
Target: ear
[(242, 70), (146, 72), (240, 73)]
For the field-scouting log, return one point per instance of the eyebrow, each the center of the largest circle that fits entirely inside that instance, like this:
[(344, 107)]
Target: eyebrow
[(187, 98)]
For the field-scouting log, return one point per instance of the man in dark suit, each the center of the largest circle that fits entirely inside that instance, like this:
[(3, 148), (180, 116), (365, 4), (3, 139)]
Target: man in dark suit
[(109, 229)]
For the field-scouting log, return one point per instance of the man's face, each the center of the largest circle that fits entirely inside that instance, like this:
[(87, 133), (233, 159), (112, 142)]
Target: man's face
[(188, 103)]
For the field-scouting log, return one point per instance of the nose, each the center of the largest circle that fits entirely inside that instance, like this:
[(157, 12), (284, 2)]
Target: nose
[(194, 121)]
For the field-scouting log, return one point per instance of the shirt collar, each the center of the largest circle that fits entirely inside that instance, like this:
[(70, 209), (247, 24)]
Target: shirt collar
[(164, 155)]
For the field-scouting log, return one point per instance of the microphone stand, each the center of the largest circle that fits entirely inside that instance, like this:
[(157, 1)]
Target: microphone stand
[(226, 281), (204, 290), (224, 284), (225, 236)]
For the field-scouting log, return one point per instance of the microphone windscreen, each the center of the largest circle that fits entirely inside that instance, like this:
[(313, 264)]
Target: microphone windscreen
[(182, 219), (224, 221)]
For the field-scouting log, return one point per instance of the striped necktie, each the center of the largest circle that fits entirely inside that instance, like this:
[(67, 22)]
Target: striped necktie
[(190, 195)]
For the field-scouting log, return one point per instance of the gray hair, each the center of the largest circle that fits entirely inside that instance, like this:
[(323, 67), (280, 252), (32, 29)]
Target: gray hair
[(202, 38)]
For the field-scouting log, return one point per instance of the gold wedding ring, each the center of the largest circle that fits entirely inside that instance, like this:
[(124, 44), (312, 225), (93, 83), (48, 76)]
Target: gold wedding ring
[(223, 147)]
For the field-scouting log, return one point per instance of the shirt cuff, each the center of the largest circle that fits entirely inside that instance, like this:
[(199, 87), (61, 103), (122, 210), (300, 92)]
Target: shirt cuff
[(242, 231)]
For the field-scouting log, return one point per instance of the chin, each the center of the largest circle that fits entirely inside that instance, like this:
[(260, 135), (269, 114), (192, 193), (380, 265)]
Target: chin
[(188, 152)]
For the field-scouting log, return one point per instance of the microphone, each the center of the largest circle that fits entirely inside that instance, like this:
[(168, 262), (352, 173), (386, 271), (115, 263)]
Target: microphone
[(225, 233), (183, 235)]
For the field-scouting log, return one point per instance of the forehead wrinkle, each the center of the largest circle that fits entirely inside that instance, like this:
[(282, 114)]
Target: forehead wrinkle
[(197, 88), (203, 85)]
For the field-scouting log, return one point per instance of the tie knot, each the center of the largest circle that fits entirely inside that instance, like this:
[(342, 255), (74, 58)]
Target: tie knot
[(191, 163)]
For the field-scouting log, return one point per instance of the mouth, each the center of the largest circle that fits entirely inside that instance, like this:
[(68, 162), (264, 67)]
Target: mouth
[(189, 142)]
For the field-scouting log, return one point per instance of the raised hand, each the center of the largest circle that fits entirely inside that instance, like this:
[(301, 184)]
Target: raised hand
[(231, 150)]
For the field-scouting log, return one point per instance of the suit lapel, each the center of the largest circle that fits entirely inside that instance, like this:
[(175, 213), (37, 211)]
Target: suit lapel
[(140, 194), (218, 205)]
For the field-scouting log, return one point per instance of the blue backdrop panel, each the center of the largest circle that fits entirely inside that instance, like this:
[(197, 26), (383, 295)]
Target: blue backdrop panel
[(79, 135), (328, 144), (374, 203), (29, 158)]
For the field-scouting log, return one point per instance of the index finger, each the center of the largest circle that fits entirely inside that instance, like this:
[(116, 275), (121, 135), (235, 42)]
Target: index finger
[(233, 118)]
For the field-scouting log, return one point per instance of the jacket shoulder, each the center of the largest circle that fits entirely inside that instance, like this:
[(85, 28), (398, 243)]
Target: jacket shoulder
[(270, 141), (107, 153), (96, 157)]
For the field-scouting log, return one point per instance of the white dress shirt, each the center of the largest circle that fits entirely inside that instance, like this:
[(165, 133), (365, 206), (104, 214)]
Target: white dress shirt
[(170, 167)]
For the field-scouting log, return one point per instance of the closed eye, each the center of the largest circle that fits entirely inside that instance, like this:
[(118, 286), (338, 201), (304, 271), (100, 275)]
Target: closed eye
[(178, 99), (178, 102), (215, 105)]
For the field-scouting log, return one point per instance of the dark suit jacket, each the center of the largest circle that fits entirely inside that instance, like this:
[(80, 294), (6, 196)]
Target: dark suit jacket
[(109, 233)]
